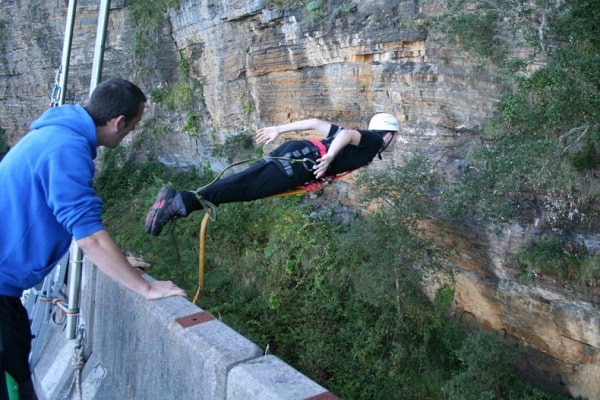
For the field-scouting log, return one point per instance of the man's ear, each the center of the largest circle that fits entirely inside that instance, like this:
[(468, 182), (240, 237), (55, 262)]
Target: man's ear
[(118, 122)]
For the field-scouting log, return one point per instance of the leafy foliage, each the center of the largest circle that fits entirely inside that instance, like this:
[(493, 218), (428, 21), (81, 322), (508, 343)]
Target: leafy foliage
[(149, 18), (341, 303), (550, 255), (4, 147), (316, 11), (128, 189), (3, 28), (539, 154), (483, 372), (235, 147), (177, 96), (481, 33)]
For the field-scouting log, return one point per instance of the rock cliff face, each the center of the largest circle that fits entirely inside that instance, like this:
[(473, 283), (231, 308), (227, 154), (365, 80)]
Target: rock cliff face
[(256, 66)]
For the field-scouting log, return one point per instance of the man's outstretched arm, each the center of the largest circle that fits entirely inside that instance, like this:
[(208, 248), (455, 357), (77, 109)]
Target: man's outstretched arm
[(102, 250)]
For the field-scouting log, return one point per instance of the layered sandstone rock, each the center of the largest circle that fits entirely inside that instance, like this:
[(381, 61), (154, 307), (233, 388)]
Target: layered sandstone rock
[(256, 66)]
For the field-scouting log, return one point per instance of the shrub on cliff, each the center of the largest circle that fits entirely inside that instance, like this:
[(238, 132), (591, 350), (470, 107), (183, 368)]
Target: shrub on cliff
[(3, 144), (539, 155)]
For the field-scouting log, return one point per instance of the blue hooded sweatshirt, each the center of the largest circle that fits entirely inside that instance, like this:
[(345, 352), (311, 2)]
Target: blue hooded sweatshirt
[(46, 196)]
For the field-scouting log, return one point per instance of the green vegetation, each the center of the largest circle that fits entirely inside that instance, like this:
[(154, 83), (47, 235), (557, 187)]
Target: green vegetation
[(182, 96), (284, 274), (128, 189), (491, 29), (478, 33), (3, 143), (149, 19), (176, 97), (539, 154), (550, 256), (283, 4), (3, 30), (240, 146), (314, 11), (191, 124), (344, 8)]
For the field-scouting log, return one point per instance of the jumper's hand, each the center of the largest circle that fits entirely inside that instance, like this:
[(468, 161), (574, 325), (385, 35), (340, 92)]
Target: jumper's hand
[(321, 166), (266, 135), (137, 262)]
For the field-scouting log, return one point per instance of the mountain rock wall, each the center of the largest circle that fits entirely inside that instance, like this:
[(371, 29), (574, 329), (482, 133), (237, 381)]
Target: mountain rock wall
[(254, 66)]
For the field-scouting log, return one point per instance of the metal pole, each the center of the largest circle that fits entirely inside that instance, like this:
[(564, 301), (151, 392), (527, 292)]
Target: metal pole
[(74, 285), (74, 270), (76, 262), (66, 53), (99, 49)]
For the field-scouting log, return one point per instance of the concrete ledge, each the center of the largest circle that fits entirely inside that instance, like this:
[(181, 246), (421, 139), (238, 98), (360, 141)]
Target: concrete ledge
[(162, 349), (269, 378)]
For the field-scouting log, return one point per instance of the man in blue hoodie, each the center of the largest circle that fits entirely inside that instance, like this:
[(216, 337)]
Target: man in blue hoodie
[(47, 198)]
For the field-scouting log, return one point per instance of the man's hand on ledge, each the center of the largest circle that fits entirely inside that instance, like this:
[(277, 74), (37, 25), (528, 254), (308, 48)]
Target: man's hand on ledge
[(160, 289)]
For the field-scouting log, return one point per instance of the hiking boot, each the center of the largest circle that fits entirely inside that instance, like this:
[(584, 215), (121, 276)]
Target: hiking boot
[(167, 206)]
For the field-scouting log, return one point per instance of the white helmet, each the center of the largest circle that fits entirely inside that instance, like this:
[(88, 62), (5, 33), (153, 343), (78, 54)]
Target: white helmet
[(384, 122)]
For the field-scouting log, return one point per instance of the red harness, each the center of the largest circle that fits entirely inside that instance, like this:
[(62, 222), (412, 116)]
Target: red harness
[(309, 187)]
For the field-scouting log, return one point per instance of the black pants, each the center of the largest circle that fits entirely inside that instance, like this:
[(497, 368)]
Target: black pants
[(15, 345), (265, 178)]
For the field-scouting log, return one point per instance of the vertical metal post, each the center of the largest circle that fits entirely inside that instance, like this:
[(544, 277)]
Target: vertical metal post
[(66, 53), (76, 262), (74, 285), (99, 48), (74, 277)]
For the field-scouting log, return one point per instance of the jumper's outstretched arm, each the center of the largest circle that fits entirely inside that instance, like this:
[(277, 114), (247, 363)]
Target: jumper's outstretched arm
[(267, 134)]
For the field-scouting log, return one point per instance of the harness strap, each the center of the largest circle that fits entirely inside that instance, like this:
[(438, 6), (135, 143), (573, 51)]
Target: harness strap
[(310, 186), (319, 145), (285, 161)]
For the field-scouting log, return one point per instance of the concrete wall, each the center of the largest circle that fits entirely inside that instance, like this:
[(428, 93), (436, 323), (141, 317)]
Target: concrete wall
[(132, 348)]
